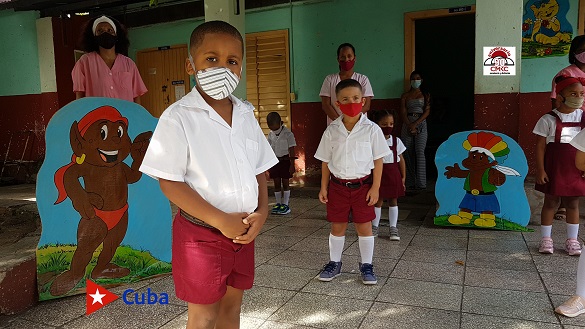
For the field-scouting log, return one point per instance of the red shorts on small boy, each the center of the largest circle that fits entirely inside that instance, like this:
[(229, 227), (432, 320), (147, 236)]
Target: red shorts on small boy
[(205, 262), (342, 200)]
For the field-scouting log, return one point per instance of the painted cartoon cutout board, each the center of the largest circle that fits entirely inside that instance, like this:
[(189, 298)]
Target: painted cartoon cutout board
[(481, 182), (101, 218), (545, 29)]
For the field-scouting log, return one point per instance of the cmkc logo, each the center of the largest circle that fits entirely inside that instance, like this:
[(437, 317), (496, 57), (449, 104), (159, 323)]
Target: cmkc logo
[(499, 61), (97, 297)]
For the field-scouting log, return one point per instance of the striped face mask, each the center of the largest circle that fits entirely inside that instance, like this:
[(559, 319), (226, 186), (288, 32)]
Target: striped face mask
[(217, 82)]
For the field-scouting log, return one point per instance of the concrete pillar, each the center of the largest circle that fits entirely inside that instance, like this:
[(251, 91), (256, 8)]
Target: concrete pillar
[(46, 51), (233, 12), (497, 23)]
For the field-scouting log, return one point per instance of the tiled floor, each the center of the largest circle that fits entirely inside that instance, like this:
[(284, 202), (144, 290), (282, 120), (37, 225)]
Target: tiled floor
[(433, 278)]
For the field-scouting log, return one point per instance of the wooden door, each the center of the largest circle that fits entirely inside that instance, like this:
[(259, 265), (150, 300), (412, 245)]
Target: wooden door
[(163, 72), (267, 75)]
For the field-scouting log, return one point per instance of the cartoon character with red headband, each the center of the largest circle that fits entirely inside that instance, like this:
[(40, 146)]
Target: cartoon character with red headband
[(100, 143), (482, 178)]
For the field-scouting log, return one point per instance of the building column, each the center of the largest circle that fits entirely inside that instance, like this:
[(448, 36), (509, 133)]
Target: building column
[(233, 12)]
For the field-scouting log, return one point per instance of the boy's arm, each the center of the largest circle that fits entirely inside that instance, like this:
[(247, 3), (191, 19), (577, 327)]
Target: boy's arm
[(374, 191), (325, 175), (541, 176), (187, 199), (291, 156), (256, 219)]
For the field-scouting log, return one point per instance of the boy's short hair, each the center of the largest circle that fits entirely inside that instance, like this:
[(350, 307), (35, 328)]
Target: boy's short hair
[(347, 84), (213, 27), (273, 118)]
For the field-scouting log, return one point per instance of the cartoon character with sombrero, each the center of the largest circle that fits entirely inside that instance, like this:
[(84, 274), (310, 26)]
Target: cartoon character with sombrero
[(100, 143), (482, 178)]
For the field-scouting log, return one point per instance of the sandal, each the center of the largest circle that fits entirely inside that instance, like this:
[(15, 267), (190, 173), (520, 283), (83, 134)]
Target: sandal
[(561, 214)]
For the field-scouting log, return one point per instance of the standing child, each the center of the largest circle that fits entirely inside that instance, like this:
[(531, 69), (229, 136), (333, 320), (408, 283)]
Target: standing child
[(350, 148), (209, 155), (393, 174), (557, 176), (576, 304), (283, 144)]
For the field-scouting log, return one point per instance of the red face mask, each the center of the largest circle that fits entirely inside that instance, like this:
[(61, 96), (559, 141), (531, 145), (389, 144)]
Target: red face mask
[(351, 109), (386, 130), (347, 65)]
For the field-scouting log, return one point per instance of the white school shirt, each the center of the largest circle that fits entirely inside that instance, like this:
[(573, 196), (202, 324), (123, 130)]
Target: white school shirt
[(547, 125), (579, 141), (193, 144), (281, 143), (351, 155), (400, 148), (331, 81)]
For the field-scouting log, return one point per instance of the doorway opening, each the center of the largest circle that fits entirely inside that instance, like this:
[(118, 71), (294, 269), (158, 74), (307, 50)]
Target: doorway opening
[(441, 45)]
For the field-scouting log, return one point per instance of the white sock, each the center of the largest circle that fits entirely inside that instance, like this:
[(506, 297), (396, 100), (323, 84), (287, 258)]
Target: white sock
[(286, 197), (378, 212), (277, 197), (336, 244), (366, 244), (581, 278), (393, 216), (545, 231), (572, 231)]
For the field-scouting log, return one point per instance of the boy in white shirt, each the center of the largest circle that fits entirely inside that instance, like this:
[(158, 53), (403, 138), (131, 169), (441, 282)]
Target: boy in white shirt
[(210, 156), (283, 143), (350, 148)]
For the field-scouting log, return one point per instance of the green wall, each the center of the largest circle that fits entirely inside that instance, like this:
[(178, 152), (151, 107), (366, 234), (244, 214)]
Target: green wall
[(537, 73), (374, 27), (19, 53)]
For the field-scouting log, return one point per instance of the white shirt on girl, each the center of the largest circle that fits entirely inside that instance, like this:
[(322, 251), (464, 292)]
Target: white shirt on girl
[(547, 124), (400, 148)]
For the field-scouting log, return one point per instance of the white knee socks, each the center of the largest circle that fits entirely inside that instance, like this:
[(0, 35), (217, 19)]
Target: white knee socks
[(581, 278), (393, 215), (545, 231), (366, 244), (378, 212), (277, 196), (336, 244), (286, 197), (572, 231)]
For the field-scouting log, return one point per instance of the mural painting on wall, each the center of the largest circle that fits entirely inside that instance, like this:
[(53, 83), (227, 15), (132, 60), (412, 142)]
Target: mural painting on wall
[(102, 219), (476, 189), (545, 28)]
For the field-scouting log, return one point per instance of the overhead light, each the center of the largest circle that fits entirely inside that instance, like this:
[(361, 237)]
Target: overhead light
[(68, 15), (82, 14)]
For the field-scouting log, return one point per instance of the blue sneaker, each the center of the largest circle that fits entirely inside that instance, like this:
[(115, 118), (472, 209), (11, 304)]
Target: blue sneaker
[(368, 276), (330, 271), (284, 209), (276, 209)]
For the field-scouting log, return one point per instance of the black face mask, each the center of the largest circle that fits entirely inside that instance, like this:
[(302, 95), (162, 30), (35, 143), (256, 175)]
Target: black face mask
[(106, 40)]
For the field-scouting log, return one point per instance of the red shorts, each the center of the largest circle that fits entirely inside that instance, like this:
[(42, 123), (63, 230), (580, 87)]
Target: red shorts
[(343, 200), (205, 262)]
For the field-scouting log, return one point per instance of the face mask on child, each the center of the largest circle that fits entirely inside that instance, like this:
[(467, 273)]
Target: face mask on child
[(386, 130), (415, 83), (347, 65), (351, 109), (580, 57), (217, 82), (574, 102)]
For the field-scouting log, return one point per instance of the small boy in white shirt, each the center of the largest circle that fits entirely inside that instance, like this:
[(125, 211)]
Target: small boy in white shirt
[(350, 148), (283, 143), (210, 156)]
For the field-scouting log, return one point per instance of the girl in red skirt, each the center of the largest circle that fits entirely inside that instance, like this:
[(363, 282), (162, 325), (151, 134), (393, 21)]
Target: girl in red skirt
[(393, 175), (557, 176)]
